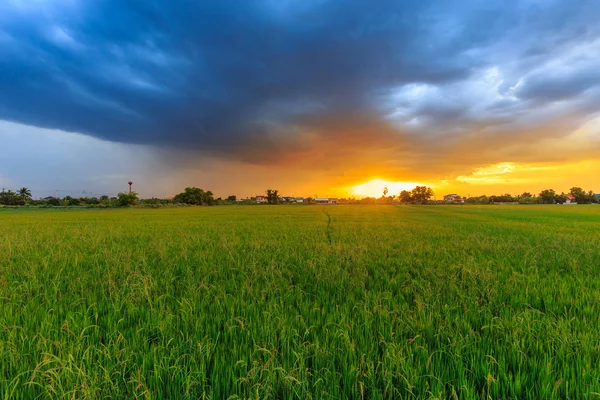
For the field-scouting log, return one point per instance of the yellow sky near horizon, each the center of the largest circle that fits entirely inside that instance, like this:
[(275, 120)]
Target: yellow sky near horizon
[(497, 179)]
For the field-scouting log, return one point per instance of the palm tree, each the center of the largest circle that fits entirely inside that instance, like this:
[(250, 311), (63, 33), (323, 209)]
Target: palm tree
[(272, 196), (25, 193)]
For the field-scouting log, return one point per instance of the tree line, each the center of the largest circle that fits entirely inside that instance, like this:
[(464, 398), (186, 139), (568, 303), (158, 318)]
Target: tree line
[(546, 196), (201, 197), (22, 197), (425, 195)]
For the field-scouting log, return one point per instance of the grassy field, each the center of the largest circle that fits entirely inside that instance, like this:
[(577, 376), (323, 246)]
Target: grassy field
[(458, 302)]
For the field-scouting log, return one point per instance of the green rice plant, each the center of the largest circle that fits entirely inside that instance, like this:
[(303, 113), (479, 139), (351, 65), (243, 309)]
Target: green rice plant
[(317, 302)]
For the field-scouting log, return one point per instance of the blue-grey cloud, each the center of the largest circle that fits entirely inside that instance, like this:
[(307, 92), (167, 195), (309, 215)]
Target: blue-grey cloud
[(244, 78)]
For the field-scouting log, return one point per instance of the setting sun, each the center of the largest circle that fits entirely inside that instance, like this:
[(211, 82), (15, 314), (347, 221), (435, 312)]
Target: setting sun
[(375, 188)]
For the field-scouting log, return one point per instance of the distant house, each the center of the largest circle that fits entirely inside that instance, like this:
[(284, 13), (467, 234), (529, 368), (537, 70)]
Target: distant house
[(301, 200), (570, 199), (260, 199), (326, 200), (453, 198)]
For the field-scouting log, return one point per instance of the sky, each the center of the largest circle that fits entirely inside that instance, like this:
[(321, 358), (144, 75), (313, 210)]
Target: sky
[(310, 97)]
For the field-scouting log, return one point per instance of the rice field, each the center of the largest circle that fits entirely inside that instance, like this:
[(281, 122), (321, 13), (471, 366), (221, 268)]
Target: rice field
[(301, 302)]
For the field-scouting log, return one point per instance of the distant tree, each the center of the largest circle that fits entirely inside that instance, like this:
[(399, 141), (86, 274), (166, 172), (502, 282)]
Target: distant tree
[(385, 191), (591, 197), (560, 198), (232, 198), (195, 196), (104, 199), (421, 194), (479, 200), (70, 201), (93, 200), (579, 194), (127, 199), (53, 201), (405, 197), (386, 200), (154, 202), (526, 198), (548, 196), (25, 194), (503, 198), (10, 198), (581, 197), (272, 196)]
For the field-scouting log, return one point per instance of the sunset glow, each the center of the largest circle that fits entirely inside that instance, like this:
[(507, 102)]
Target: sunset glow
[(375, 187)]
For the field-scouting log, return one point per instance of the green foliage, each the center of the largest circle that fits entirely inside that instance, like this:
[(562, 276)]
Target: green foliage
[(10, 198), (560, 198), (24, 194), (53, 201), (505, 198), (548, 196), (195, 196), (528, 200), (478, 200), (581, 196), (127, 199), (70, 201), (232, 198), (405, 197), (272, 196), (421, 194), (152, 202), (256, 302)]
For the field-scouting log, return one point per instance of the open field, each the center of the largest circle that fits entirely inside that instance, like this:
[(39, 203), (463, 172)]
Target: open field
[(301, 302)]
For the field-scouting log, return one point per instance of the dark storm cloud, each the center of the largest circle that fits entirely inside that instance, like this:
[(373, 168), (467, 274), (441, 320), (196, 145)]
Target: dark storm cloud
[(246, 78)]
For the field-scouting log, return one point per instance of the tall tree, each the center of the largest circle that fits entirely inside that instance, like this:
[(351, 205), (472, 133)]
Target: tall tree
[(195, 196), (421, 194), (405, 197), (127, 199), (581, 197), (561, 198), (548, 196), (272, 196), (25, 193)]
